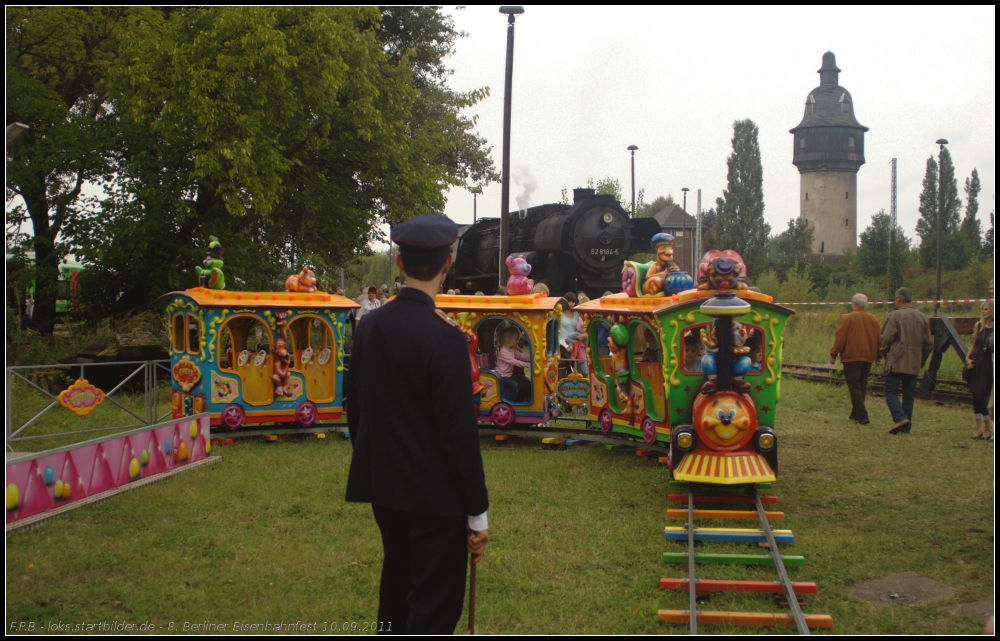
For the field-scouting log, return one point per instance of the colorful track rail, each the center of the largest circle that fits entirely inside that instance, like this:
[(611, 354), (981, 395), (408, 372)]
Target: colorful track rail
[(702, 495)]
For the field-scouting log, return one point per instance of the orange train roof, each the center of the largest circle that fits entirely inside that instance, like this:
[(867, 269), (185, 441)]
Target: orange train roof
[(529, 303), (224, 298), (621, 302)]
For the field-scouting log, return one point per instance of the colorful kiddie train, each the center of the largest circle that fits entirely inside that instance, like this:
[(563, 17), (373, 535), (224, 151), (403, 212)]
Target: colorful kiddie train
[(700, 370), (528, 326), (256, 357)]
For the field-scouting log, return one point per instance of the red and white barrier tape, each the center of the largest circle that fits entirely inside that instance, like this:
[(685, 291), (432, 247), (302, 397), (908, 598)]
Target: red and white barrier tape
[(883, 302)]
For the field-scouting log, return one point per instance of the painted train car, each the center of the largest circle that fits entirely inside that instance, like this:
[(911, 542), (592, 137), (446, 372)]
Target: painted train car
[(699, 370), (530, 321), (257, 357)]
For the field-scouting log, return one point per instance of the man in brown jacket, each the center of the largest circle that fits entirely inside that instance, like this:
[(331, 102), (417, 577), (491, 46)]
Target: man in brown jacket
[(857, 344), (906, 344)]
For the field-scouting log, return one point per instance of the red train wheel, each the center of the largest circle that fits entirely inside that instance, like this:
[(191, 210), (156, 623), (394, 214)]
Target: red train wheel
[(306, 413), (605, 419), (502, 415), (648, 430), (233, 416)]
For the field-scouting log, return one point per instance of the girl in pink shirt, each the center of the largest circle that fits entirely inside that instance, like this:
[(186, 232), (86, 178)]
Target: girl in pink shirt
[(517, 388)]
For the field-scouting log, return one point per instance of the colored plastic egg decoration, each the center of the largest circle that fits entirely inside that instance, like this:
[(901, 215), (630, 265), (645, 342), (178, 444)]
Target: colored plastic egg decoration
[(144, 458), (50, 475), (13, 496), (58, 492), (194, 429), (67, 490), (175, 453), (183, 451), (133, 469), (166, 447), (208, 446)]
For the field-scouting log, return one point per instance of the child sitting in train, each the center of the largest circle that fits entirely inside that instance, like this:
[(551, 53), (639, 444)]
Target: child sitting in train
[(517, 388)]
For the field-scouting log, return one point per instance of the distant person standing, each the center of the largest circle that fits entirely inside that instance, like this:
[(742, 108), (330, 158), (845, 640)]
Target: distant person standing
[(906, 344), (856, 343), (368, 303), (980, 364)]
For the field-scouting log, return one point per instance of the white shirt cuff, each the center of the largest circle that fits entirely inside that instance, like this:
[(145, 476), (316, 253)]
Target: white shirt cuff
[(479, 522)]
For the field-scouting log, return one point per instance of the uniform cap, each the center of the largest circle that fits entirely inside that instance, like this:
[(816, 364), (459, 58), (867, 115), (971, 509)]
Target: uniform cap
[(426, 239), (660, 238)]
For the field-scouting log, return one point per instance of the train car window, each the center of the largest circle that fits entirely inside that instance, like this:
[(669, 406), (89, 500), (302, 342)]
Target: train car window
[(242, 340), (178, 333), (693, 348), (646, 360), (194, 334), (311, 353), (755, 341), (487, 351)]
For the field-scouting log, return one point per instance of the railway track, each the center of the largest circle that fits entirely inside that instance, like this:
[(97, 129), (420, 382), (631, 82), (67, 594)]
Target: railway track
[(734, 507), (833, 374)]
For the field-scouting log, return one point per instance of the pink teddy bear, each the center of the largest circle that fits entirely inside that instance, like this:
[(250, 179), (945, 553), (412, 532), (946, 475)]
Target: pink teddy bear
[(518, 283)]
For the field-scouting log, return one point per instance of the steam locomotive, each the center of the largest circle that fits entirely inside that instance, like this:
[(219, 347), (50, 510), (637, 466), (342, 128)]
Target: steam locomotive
[(578, 247)]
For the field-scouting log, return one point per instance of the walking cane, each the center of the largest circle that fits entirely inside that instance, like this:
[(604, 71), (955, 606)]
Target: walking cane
[(472, 594)]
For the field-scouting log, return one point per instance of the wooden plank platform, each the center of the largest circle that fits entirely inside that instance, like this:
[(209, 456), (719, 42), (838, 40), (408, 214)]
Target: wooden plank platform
[(724, 514), (748, 500), (733, 535), (744, 618), (734, 559), (714, 585)]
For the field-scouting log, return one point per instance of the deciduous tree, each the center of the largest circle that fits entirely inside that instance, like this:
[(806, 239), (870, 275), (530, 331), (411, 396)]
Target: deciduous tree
[(57, 58), (738, 220)]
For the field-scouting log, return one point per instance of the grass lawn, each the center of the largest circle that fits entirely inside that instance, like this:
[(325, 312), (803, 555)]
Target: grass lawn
[(576, 535)]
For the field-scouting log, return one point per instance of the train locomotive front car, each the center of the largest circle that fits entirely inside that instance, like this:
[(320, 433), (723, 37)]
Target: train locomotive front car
[(699, 370), (530, 323), (257, 357)]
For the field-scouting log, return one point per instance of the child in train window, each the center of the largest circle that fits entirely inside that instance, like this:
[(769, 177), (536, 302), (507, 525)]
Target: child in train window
[(517, 388), (755, 341), (693, 350)]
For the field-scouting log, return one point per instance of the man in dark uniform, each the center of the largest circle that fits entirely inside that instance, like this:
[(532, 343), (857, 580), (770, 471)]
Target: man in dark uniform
[(416, 455)]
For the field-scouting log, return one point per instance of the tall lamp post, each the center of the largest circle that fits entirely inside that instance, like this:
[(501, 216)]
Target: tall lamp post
[(512, 12), (941, 142), (633, 148), (684, 220)]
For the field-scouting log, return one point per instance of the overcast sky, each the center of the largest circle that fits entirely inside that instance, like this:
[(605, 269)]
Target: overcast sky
[(590, 81)]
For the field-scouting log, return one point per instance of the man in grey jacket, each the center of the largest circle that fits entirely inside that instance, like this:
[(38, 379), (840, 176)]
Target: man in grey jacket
[(906, 344)]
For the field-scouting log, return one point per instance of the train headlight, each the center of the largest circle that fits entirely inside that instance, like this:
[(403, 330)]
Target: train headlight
[(685, 440), (765, 442), (608, 217)]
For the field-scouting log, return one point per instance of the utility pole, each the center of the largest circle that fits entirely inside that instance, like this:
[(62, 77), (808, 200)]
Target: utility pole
[(941, 142), (473, 208), (892, 214), (511, 12), (632, 148), (687, 241), (698, 240)]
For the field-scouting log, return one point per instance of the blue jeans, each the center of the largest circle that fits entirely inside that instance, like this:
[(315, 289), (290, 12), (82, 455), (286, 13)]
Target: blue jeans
[(904, 411)]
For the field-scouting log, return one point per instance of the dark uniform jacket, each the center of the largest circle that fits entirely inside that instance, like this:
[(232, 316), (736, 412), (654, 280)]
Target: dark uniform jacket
[(410, 412)]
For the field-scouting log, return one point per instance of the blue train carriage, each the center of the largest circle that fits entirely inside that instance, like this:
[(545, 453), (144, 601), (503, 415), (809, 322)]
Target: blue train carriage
[(723, 376), (530, 395), (257, 357)]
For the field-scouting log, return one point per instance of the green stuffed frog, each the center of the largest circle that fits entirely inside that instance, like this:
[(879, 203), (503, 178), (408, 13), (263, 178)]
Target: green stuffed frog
[(211, 275)]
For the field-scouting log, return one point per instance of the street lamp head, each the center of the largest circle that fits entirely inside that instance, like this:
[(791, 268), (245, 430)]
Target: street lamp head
[(632, 147), (941, 141), (685, 189), (511, 12)]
